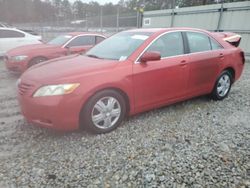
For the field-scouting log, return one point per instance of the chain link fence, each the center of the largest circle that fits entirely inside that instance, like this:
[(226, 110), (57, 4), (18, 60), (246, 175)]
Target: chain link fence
[(107, 24), (227, 17)]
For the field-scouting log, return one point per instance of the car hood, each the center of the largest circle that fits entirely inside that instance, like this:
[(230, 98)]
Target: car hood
[(29, 49), (66, 69)]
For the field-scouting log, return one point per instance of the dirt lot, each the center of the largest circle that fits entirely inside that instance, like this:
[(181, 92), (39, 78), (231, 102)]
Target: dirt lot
[(197, 143)]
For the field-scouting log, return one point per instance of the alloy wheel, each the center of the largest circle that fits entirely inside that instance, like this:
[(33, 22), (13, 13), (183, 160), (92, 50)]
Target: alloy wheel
[(223, 85), (106, 112)]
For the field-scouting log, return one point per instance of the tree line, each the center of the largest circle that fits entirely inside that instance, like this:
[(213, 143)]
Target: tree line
[(21, 11)]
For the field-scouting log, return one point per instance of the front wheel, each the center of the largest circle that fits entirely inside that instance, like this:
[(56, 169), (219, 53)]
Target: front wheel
[(103, 112), (36, 60), (222, 86)]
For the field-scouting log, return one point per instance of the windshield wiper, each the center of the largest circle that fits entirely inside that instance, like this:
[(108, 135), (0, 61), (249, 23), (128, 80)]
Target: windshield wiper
[(94, 56)]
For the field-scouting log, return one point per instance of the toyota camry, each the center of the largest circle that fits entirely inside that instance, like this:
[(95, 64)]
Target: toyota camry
[(131, 72)]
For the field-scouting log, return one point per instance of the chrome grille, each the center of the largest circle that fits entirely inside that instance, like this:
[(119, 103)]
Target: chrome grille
[(5, 58), (23, 88)]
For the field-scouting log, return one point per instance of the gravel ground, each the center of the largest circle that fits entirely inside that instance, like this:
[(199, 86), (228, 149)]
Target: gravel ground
[(197, 143)]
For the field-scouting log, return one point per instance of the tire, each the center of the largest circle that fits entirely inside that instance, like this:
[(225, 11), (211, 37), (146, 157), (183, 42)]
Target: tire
[(222, 86), (103, 112), (36, 60)]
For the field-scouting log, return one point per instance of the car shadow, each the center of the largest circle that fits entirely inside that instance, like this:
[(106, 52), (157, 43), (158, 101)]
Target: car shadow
[(196, 100), (77, 134)]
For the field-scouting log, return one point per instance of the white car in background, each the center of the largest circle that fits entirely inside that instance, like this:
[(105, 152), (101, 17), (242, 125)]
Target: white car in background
[(2, 24), (11, 38)]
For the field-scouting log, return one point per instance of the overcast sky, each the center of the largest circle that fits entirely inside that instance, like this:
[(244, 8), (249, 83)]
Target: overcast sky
[(99, 1)]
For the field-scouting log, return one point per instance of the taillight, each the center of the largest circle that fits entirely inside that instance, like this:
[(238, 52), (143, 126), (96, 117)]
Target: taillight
[(242, 54)]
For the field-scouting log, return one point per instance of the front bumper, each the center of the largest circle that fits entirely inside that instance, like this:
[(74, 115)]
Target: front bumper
[(2, 54), (55, 112), (15, 66)]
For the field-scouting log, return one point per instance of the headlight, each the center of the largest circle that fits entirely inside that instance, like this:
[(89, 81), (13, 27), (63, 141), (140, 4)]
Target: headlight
[(19, 58), (52, 90), (18, 82)]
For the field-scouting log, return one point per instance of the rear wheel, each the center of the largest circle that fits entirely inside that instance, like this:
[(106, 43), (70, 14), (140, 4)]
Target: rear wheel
[(37, 60), (103, 112), (222, 86)]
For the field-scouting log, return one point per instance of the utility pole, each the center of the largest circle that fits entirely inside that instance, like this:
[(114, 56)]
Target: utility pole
[(140, 9), (137, 19), (221, 14), (86, 22), (173, 12), (101, 17), (117, 19), (86, 19)]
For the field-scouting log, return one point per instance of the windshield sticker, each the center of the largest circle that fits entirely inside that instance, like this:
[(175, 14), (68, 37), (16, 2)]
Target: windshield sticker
[(68, 36), (122, 58), (139, 37)]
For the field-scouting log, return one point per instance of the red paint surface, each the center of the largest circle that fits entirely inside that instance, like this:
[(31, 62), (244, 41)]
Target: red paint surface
[(147, 85), (43, 50)]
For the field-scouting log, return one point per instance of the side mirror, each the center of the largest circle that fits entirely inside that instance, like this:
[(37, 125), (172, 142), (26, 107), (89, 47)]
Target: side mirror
[(68, 50), (150, 56)]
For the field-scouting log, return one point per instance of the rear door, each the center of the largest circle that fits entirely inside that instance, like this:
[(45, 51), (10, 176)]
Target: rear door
[(206, 55), (158, 82)]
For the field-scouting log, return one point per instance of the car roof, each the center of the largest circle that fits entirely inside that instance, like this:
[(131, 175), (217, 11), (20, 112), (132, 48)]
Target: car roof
[(84, 33), (4, 24), (9, 28), (12, 29), (162, 30)]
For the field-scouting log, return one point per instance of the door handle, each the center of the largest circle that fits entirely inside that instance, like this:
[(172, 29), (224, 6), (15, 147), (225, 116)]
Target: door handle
[(183, 63)]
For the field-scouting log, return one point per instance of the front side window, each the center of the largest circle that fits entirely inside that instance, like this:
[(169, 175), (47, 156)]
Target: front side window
[(82, 41), (11, 34), (170, 44), (198, 42), (60, 40)]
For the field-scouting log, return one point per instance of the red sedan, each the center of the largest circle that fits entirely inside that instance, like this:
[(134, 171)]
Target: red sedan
[(128, 73), (21, 58)]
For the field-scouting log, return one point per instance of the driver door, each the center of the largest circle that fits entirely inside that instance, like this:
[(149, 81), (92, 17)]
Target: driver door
[(159, 82), (81, 44)]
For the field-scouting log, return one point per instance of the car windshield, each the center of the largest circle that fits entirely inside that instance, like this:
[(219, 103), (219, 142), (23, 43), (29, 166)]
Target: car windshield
[(60, 40), (119, 47)]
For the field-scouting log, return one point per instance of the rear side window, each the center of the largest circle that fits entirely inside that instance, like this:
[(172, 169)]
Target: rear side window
[(170, 44), (82, 41), (11, 34), (99, 39), (198, 42), (215, 45)]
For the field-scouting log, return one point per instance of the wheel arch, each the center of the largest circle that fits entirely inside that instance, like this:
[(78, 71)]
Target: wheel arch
[(214, 95), (36, 57), (119, 90), (231, 70)]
